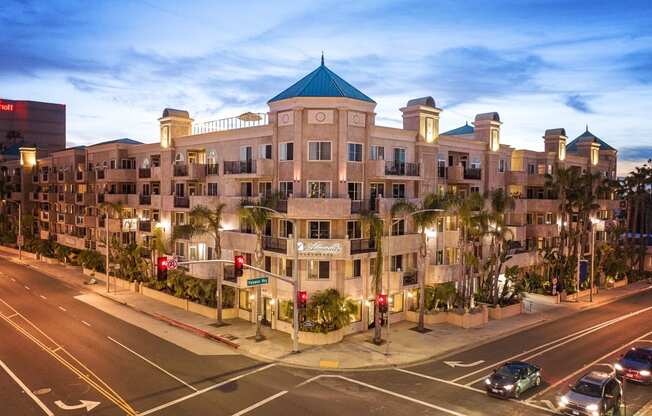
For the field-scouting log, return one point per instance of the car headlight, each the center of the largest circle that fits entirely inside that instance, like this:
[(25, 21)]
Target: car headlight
[(563, 401), (618, 367), (645, 373), (508, 387), (487, 381), (592, 407)]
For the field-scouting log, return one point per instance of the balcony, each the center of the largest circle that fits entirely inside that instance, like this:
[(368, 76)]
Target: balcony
[(474, 174), (410, 279), (280, 205), (401, 169), (181, 202), (144, 173), (363, 245), (536, 179), (145, 226), (45, 216), (191, 170), (319, 208), (145, 199), (117, 175), (239, 122), (213, 169), (359, 206), (79, 220), (239, 167), (277, 245), (90, 221), (334, 249), (515, 177)]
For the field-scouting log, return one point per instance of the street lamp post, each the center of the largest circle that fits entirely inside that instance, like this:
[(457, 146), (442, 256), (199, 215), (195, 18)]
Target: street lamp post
[(295, 275), (594, 223), (20, 228)]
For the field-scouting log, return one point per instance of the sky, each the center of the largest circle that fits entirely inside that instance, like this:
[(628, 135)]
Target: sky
[(540, 64)]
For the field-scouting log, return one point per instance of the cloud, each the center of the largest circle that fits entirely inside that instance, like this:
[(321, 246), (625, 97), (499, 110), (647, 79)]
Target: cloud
[(639, 65), (579, 103), (635, 153)]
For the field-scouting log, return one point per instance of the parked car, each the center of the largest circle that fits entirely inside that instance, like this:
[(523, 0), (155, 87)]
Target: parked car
[(595, 394), (512, 379), (636, 365)]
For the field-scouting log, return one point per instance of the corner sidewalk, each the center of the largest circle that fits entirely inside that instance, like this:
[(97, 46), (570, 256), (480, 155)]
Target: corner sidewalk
[(355, 351)]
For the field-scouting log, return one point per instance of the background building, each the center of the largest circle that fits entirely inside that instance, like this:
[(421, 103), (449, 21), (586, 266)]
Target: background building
[(33, 124)]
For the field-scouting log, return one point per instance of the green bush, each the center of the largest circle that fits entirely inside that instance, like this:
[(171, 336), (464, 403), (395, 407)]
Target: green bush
[(201, 291), (329, 311)]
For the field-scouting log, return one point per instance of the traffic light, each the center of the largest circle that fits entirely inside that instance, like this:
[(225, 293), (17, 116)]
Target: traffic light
[(238, 265), (382, 303), (303, 299), (162, 268)]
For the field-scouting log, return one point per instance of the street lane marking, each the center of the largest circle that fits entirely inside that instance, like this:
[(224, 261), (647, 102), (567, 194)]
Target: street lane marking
[(574, 336), (260, 403), (153, 364), (26, 389), (12, 316), (464, 386), (13, 280), (74, 365), (62, 308), (43, 297), (454, 364), (27, 287), (382, 390), (84, 404), (554, 385), (202, 391), (86, 323)]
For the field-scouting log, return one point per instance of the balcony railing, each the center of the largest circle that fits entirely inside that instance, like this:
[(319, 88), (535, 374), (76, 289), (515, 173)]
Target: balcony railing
[(277, 245), (180, 170), (280, 205), (144, 173), (363, 205), (473, 173), (363, 245), (239, 166), (145, 226), (145, 199), (239, 122), (181, 202), (99, 174), (213, 169), (410, 278), (401, 168)]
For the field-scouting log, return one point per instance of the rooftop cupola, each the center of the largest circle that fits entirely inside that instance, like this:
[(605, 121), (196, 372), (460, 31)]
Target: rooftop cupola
[(555, 142), (173, 124), (422, 115), (487, 129)]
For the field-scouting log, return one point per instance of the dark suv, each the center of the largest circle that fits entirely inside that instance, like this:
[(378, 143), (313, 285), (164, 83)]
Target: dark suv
[(636, 365), (595, 394)]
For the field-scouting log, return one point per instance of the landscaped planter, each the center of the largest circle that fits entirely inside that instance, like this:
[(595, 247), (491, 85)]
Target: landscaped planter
[(432, 318), (539, 298), (573, 297), (619, 283), (469, 320), (207, 311), (317, 338), (504, 312), (49, 260)]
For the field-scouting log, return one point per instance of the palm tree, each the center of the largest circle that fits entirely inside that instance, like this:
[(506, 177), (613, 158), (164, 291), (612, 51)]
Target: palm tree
[(257, 218), (374, 226), (423, 221), (209, 221), (501, 203), (116, 209), (559, 184)]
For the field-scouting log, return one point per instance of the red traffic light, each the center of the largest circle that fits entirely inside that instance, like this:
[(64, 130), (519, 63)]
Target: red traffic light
[(303, 299), (382, 302), (238, 265), (162, 263)]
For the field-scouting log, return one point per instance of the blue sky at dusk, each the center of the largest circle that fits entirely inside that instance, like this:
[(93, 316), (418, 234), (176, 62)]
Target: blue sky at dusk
[(540, 64)]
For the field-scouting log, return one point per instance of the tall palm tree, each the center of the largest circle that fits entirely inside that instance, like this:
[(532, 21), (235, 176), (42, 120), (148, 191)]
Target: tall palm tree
[(257, 217), (115, 209), (374, 226), (422, 221), (560, 183), (501, 204), (209, 221)]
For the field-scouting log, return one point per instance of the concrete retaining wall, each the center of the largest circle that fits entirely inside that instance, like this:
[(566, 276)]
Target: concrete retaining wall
[(548, 299), (504, 312), (463, 320)]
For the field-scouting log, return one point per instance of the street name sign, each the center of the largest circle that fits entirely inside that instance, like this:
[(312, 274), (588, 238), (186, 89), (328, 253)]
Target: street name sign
[(257, 281)]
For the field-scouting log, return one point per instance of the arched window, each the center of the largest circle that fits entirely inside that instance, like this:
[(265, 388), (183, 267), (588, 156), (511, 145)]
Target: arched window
[(146, 163), (179, 158)]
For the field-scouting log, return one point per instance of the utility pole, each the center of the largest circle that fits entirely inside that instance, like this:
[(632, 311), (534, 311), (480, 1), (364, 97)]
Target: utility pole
[(20, 231)]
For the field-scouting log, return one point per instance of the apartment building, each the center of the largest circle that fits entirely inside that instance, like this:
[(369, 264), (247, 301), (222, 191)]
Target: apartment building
[(320, 148)]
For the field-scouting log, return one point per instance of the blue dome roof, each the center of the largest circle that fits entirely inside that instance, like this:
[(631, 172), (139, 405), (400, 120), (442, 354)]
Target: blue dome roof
[(322, 82), (460, 131), (587, 136)]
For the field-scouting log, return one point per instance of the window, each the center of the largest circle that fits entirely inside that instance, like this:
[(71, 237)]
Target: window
[(396, 302), (399, 155), (531, 169), (212, 189), (397, 263), (439, 259), (398, 228), (179, 218), (113, 164), (398, 190), (180, 248), (246, 189), (265, 189), (475, 189), (319, 189), (128, 164), (319, 229), (475, 164), (286, 151), (355, 152), (246, 153), (550, 219), (286, 189), (356, 268), (319, 151), (353, 229), (245, 302), (285, 228), (265, 151), (377, 153), (318, 269), (501, 165), (355, 190), (286, 267)]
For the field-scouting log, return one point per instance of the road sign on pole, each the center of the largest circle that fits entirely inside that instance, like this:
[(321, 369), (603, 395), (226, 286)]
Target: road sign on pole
[(172, 263), (257, 281)]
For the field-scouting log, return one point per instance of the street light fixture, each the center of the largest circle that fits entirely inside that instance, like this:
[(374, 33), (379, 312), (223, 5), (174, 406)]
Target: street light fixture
[(295, 276), (594, 224)]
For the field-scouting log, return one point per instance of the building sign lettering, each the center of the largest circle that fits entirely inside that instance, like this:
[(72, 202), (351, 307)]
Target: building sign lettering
[(319, 248), (6, 107)]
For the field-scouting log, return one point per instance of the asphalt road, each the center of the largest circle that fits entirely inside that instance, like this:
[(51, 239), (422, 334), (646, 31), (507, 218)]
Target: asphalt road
[(61, 356)]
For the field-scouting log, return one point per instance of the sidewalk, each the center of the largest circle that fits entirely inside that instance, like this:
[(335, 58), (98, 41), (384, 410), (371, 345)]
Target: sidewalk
[(355, 351)]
